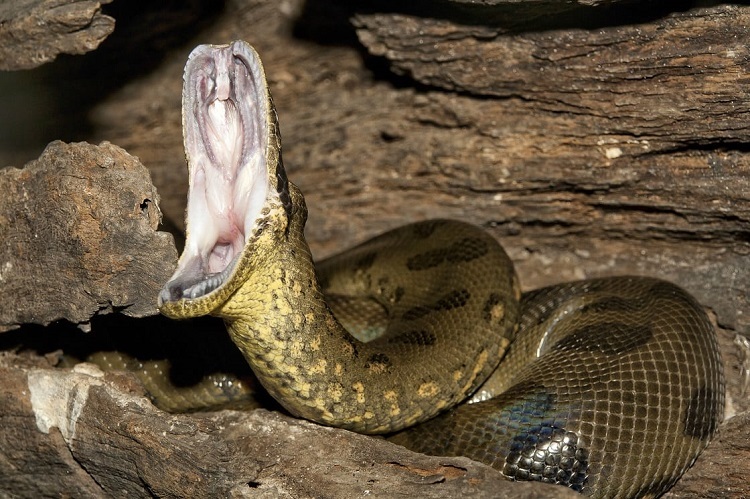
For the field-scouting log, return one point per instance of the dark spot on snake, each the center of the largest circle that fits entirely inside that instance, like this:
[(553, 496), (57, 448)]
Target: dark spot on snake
[(465, 250), (398, 294), (664, 288), (702, 414), (260, 228), (417, 337), (609, 304), (282, 186), (489, 310), (427, 260), (415, 313), (425, 229), (609, 338), (378, 361), (454, 299), (379, 358), (366, 261), (353, 343), (548, 454)]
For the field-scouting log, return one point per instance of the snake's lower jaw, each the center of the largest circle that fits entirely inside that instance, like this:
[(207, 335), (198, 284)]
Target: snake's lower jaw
[(227, 132)]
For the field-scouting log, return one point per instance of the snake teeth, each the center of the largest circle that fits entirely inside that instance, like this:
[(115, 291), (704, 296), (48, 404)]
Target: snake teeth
[(204, 287), (187, 287)]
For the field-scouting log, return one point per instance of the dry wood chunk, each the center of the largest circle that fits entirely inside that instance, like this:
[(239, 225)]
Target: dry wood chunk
[(78, 236)]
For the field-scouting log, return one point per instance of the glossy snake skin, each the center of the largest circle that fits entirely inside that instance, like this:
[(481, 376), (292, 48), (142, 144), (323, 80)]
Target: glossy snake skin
[(610, 386)]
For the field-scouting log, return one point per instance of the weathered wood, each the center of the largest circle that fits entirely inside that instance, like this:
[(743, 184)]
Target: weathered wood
[(672, 81), (78, 237), (33, 32), (613, 164), (83, 434)]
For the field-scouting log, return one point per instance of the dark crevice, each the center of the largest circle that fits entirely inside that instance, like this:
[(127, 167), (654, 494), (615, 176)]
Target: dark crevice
[(144, 206), (698, 145), (147, 487), (325, 21), (54, 101), (195, 348), (82, 468)]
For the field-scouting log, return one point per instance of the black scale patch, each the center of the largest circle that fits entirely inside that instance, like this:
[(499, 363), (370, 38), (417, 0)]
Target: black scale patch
[(612, 304), (455, 299), (423, 230), (416, 337), (465, 250), (548, 454), (366, 261), (702, 414), (540, 449), (610, 338)]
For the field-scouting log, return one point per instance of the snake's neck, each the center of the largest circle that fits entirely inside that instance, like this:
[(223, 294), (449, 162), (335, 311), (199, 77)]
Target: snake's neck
[(303, 356), (280, 321)]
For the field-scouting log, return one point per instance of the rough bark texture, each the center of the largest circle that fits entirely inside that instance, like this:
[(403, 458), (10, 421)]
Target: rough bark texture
[(604, 140), (54, 425), (78, 237), (717, 473), (33, 32)]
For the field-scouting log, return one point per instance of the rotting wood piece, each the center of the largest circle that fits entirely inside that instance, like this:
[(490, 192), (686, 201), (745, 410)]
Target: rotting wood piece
[(81, 433), (78, 237), (33, 32), (681, 77)]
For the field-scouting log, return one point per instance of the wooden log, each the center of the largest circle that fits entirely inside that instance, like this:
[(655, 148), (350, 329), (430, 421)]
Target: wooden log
[(82, 433), (79, 236), (33, 32), (671, 81)]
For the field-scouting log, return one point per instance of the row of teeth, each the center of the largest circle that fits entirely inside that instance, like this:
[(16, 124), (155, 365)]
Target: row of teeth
[(210, 282)]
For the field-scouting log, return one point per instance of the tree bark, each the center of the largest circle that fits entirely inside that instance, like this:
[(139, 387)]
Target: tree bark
[(78, 231), (33, 32), (82, 433)]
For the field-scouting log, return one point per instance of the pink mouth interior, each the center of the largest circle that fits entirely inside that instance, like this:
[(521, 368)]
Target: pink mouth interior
[(226, 133)]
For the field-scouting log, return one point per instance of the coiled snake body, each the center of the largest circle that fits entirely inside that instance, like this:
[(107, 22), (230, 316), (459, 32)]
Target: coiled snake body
[(611, 386)]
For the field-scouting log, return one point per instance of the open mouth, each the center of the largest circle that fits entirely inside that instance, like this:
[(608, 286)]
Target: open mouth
[(224, 118)]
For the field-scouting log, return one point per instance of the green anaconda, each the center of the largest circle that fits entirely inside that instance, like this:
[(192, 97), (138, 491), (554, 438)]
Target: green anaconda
[(610, 386)]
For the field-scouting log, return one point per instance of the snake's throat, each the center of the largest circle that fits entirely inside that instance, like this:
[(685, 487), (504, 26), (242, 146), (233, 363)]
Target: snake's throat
[(227, 131)]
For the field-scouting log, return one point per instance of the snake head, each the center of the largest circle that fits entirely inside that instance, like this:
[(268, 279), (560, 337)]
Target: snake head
[(236, 175)]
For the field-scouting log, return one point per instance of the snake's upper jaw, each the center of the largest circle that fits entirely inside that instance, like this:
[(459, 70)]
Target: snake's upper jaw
[(231, 142)]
